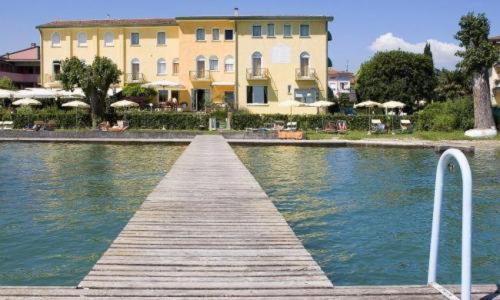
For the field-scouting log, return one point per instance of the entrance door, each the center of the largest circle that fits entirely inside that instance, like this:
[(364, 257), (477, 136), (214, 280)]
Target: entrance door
[(198, 99), (135, 69), (304, 64)]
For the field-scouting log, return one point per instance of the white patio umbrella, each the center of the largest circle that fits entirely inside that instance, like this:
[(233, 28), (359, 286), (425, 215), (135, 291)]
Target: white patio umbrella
[(26, 102), (124, 104), (76, 93), (321, 103), (76, 104), (165, 84), (113, 91), (391, 105), (38, 93), (368, 104), (291, 104), (6, 93)]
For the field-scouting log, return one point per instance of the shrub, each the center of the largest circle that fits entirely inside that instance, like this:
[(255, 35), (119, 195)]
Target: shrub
[(169, 120), (136, 90), (63, 118), (447, 116)]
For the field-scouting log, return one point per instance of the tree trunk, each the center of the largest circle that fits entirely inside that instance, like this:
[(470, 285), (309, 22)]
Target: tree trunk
[(483, 115), (93, 108)]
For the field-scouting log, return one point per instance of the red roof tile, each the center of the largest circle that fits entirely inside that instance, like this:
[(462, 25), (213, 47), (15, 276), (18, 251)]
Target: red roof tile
[(110, 23)]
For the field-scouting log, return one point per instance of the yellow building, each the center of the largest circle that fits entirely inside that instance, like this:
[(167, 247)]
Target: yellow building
[(247, 62)]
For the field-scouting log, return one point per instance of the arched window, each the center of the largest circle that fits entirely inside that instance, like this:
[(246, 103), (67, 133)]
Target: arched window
[(56, 39), (304, 64), (175, 66), (82, 39), (257, 64), (135, 69), (109, 39), (229, 64), (214, 63), (161, 66)]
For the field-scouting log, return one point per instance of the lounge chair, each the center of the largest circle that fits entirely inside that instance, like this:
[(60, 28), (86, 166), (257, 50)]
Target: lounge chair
[(342, 126), (278, 125), (120, 126), (103, 126), (377, 126), (406, 126), (6, 125), (291, 126), (330, 127)]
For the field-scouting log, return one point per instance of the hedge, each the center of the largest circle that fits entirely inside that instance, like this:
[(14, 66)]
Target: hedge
[(63, 118), (451, 115), (242, 120), (168, 120)]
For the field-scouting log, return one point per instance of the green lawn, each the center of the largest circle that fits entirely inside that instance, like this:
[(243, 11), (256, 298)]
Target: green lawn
[(423, 135)]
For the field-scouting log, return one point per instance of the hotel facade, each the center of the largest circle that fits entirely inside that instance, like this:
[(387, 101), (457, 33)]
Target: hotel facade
[(247, 62)]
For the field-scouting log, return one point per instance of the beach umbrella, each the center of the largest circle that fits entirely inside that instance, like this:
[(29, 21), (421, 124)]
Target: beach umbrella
[(291, 104), (124, 104), (368, 104), (391, 105), (76, 104), (113, 91), (321, 103), (76, 93), (165, 84), (26, 102)]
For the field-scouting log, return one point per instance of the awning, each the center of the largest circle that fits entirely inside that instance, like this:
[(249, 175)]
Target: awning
[(222, 83)]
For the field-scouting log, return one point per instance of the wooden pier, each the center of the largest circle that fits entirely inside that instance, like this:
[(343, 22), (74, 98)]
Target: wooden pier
[(208, 230)]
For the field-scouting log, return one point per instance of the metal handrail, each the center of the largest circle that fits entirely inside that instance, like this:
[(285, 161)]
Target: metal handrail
[(466, 224)]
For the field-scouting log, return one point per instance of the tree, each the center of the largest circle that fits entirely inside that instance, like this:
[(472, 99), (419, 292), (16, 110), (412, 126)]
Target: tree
[(6, 83), (477, 57), (428, 52), (452, 85), (396, 75), (94, 79)]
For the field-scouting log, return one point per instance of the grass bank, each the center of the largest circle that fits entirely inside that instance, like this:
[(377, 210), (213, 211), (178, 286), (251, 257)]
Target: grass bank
[(421, 135)]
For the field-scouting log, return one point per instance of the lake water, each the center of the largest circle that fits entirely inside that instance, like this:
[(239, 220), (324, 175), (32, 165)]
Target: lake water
[(61, 205), (365, 213)]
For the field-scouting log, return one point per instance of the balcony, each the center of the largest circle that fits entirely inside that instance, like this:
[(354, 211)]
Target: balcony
[(200, 75), (305, 74), (20, 77), (134, 78), (257, 74)]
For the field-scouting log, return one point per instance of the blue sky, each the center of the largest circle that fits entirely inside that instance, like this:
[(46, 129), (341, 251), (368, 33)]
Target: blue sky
[(359, 29)]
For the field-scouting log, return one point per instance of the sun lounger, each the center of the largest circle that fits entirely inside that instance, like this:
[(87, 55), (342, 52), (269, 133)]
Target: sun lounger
[(342, 126), (330, 127), (291, 126), (278, 125), (120, 127), (406, 126), (103, 126), (6, 125), (377, 126)]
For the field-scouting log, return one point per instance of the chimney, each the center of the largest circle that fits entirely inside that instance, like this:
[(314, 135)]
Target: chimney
[(33, 45), (236, 12)]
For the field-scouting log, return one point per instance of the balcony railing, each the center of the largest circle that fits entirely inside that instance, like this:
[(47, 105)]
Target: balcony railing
[(305, 74), (200, 75), (135, 78), (257, 73)]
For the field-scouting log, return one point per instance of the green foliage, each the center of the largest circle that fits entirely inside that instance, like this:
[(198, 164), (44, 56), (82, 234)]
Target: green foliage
[(241, 120), (169, 120), (136, 90), (6, 83), (396, 75), (94, 79), (452, 84), (427, 50), (64, 119), (219, 113), (479, 54), (447, 116)]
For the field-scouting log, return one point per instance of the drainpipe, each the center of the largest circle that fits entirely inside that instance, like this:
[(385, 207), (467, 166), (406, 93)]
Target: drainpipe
[(236, 68), (40, 56)]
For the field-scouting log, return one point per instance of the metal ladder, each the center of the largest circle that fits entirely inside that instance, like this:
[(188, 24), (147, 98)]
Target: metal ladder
[(466, 224)]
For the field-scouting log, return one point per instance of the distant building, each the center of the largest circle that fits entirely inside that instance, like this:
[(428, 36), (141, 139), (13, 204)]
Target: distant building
[(495, 76), (22, 66), (341, 82)]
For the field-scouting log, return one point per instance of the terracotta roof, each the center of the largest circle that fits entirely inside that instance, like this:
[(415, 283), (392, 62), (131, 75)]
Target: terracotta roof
[(109, 23), (334, 73), (276, 17), (495, 38)]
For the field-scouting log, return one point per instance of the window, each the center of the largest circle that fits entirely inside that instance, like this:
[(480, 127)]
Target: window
[(229, 98), (304, 30), (82, 39), (135, 69), (215, 34), (163, 95), (161, 38), (304, 64), (306, 95), (200, 34), (214, 63), (56, 68), (161, 67), (270, 30), (257, 94), (56, 39), (256, 64), (175, 66), (256, 31), (228, 34), (229, 64), (134, 39), (287, 30), (109, 39)]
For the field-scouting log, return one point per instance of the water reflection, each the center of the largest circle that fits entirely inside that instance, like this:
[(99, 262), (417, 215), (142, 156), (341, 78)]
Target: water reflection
[(61, 205), (365, 213)]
